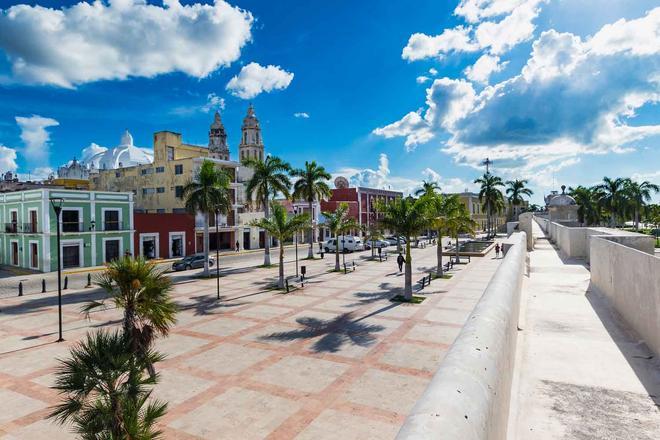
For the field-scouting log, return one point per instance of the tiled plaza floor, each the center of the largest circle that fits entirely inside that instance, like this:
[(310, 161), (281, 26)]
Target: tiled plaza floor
[(336, 359)]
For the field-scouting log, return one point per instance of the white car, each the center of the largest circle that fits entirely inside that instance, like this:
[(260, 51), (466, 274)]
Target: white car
[(347, 243), (376, 244)]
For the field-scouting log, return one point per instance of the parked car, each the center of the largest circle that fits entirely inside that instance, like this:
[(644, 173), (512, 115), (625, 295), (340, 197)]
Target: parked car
[(347, 243), (376, 244), (191, 262), (393, 240)]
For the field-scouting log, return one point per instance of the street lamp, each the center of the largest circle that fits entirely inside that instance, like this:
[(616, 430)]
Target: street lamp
[(217, 254), (295, 237), (57, 207)]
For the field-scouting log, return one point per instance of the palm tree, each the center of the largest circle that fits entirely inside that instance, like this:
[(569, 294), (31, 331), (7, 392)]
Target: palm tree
[(270, 177), (611, 193), (373, 232), (490, 196), (516, 189), (105, 391), (311, 186), (282, 227), (143, 292), (461, 223), (428, 188), (441, 211), (587, 200), (639, 194), (208, 193), (339, 222), (405, 217)]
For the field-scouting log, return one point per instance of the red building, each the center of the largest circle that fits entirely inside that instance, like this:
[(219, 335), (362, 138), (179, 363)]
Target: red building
[(362, 202), (164, 235)]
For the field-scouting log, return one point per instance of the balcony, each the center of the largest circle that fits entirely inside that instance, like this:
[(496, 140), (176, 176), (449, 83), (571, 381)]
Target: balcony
[(73, 227), (115, 226), (30, 228), (11, 228)]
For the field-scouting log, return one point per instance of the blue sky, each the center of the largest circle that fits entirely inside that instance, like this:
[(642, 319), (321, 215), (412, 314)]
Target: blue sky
[(395, 92)]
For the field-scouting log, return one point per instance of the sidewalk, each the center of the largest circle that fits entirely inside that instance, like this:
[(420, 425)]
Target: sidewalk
[(581, 374)]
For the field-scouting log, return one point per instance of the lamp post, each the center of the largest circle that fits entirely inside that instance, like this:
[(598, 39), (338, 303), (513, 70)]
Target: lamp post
[(56, 202), (217, 254), (295, 237)]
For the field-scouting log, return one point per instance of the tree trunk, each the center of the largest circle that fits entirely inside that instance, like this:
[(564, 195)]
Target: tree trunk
[(206, 243), (336, 251), (280, 283), (636, 219), (407, 293), (439, 254), (311, 231), (266, 235), (457, 256)]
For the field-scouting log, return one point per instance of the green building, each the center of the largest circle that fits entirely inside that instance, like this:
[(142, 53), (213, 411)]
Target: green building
[(96, 227)]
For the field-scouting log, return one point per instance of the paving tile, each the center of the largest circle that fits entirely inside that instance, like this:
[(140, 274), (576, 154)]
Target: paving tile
[(375, 388), (175, 386), (237, 414), (15, 405), (227, 359), (411, 355), (41, 430), (449, 316), (302, 373), (439, 334), (176, 345), (331, 425), (264, 312), (223, 326)]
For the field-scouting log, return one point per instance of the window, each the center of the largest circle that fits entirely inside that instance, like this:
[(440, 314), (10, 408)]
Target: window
[(160, 211), (178, 210), (160, 189), (160, 169), (34, 256), (111, 220), (178, 191), (146, 171), (111, 250), (170, 153), (71, 220), (117, 174), (70, 256), (178, 169), (14, 253), (148, 191)]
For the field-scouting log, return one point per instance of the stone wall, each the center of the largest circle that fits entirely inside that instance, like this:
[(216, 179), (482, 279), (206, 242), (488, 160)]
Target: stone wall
[(630, 279), (469, 395)]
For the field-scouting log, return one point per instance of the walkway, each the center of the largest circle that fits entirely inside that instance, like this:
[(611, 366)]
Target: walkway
[(335, 360), (581, 374)]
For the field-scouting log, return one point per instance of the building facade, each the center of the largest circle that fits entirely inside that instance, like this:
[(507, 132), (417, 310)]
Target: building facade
[(157, 187), (96, 227), (164, 235), (471, 201)]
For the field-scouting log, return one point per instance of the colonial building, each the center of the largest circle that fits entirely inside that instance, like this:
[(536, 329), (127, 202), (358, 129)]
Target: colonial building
[(158, 186), (96, 227), (471, 201)]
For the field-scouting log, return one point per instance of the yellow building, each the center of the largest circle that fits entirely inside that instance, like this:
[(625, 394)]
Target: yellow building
[(158, 187), (475, 207)]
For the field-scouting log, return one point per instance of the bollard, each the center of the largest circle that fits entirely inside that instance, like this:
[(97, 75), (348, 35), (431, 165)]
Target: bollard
[(20, 288), (286, 283), (429, 283), (353, 266), (43, 286), (66, 283), (89, 280), (345, 271), (321, 255)]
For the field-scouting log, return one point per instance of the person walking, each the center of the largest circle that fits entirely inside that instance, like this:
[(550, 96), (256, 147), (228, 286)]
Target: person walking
[(497, 250), (400, 260), (238, 247)]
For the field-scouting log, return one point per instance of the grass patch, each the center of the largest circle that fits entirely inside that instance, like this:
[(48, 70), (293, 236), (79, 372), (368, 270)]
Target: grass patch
[(416, 299), (444, 276), (266, 266), (309, 258)]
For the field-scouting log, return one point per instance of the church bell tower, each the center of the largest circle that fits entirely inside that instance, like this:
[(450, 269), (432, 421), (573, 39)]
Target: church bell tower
[(218, 147), (252, 145)]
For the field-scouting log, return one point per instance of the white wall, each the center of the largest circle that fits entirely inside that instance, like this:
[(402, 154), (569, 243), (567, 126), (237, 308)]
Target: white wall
[(630, 279), (479, 363)]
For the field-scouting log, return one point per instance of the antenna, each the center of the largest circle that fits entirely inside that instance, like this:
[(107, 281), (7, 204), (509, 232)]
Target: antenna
[(487, 162)]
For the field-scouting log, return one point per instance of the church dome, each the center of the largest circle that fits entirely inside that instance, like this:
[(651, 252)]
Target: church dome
[(562, 199)]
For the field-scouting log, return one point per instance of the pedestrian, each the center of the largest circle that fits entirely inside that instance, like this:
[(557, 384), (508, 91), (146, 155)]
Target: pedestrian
[(238, 246), (400, 260), (497, 250)]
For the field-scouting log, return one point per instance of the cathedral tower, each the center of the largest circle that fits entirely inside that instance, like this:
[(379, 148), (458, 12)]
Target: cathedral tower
[(218, 147), (252, 144)]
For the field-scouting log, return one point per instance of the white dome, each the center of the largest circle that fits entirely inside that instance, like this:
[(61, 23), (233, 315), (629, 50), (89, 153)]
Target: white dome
[(126, 154)]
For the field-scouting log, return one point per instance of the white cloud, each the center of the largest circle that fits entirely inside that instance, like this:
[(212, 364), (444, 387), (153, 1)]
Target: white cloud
[(382, 178), (572, 98), (422, 79), (213, 103), (422, 46), (39, 173), (483, 68), (7, 159), (91, 151), (433, 71), (254, 79), (121, 39), (302, 115), (36, 137), (496, 37)]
